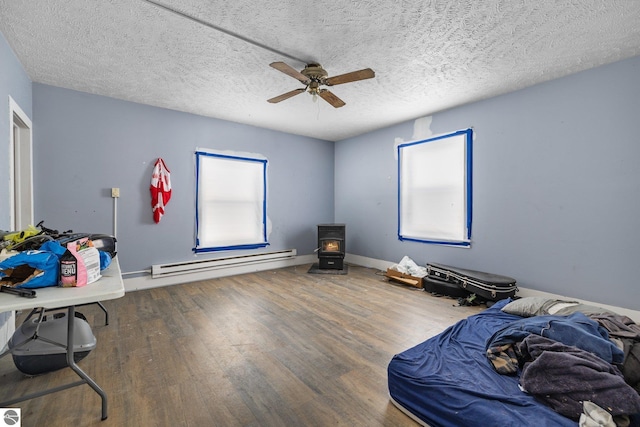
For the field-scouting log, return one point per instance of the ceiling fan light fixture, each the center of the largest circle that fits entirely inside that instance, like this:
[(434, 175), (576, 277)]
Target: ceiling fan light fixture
[(313, 90)]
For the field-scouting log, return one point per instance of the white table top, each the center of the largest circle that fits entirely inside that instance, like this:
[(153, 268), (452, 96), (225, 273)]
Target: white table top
[(109, 286)]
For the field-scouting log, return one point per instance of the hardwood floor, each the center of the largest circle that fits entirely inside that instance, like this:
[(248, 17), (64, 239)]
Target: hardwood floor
[(273, 348)]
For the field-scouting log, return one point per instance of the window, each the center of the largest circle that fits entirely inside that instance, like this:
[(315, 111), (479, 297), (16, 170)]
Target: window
[(231, 202), (434, 189)]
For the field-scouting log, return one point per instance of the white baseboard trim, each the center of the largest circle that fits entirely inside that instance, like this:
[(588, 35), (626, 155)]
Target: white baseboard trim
[(146, 282), (368, 262), (522, 292)]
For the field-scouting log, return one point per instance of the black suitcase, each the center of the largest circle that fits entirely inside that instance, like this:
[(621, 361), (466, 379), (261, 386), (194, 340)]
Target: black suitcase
[(440, 287), (489, 286)]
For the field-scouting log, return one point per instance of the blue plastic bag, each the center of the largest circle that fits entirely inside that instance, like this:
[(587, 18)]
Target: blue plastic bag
[(46, 262), (53, 246), (105, 260)]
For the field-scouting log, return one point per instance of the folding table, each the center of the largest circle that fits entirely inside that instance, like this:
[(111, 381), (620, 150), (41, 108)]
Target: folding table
[(109, 286)]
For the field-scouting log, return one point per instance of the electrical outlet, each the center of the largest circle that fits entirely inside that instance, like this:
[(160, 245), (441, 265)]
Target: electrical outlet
[(115, 192)]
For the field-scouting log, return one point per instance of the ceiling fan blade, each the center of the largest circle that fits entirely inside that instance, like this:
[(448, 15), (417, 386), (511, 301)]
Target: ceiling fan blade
[(290, 71), (331, 98), (353, 76), (285, 96)]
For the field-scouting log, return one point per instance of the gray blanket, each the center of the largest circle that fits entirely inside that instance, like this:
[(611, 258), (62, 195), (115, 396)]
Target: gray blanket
[(617, 325), (564, 376), (628, 332)]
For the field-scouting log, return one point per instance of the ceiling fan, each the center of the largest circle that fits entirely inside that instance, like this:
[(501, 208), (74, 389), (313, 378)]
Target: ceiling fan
[(313, 76)]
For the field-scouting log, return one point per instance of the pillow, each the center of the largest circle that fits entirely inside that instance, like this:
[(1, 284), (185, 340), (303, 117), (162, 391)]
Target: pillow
[(585, 309), (557, 306), (532, 306)]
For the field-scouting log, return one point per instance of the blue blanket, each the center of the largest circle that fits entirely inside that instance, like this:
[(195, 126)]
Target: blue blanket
[(574, 330)]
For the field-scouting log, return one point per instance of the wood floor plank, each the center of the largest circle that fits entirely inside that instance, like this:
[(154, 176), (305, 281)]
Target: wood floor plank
[(272, 348)]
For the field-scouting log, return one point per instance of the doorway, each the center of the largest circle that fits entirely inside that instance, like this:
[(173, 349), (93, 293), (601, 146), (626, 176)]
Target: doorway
[(20, 168)]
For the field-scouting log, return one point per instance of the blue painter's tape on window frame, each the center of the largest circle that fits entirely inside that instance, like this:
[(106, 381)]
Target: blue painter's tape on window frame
[(435, 189), (231, 202)]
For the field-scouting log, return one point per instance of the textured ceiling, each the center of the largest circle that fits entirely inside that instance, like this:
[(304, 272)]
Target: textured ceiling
[(428, 56)]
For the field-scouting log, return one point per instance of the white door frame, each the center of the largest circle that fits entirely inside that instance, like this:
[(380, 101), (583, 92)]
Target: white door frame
[(20, 167)]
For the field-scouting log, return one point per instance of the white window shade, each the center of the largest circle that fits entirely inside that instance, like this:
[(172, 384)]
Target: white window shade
[(231, 202), (434, 179)]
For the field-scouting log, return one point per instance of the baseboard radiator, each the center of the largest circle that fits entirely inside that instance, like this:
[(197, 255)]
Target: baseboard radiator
[(174, 269)]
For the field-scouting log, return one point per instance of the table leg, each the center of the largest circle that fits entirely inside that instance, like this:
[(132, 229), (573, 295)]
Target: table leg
[(72, 363)]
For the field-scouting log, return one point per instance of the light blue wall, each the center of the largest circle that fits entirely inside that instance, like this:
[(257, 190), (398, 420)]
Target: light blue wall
[(14, 82), (556, 187), (86, 144)]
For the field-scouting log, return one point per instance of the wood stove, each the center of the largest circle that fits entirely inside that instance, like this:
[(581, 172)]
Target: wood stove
[(331, 246)]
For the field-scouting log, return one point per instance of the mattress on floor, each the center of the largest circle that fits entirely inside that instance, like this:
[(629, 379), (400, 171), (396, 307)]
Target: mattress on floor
[(448, 380)]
